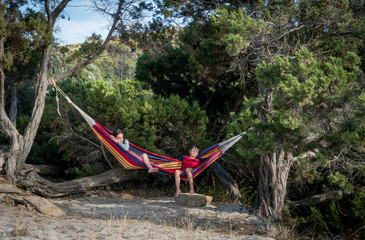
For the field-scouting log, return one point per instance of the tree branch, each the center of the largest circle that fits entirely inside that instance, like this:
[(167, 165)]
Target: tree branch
[(96, 54), (316, 199), (57, 11)]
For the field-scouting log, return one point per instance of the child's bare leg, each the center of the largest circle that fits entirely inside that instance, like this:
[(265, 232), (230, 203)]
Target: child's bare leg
[(190, 179), (148, 164), (177, 182)]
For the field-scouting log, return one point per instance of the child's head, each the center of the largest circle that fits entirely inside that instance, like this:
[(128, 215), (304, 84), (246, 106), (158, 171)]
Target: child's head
[(194, 150), (196, 147), (118, 134)]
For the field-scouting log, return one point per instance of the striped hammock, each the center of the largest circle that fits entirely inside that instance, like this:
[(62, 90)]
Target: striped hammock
[(131, 159)]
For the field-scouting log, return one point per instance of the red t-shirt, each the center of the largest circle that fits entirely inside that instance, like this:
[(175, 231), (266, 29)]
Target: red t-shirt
[(189, 162)]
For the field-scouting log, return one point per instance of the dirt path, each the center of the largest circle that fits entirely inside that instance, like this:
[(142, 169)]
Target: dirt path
[(121, 216)]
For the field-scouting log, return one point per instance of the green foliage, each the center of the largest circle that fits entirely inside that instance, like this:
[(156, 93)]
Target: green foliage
[(321, 221), (118, 62), (132, 88), (333, 217), (48, 153), (337, 25), (91, 73), (86, 170), (27, 34), (163, 125), (236, 29), (86, 49), (314, 220), (303, 88), (340, 181), (167, 74), (359, 205), (309, 113), (197, 70)]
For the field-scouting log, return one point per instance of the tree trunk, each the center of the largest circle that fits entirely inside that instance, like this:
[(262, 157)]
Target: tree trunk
[(32, 181), (227, 181), (37, 112), (274, 172), (9, 154), (13, 109)]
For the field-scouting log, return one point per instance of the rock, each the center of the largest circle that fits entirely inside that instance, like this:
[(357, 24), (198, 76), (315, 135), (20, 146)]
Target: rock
[(44, 206), (8, 188), (195, 200)]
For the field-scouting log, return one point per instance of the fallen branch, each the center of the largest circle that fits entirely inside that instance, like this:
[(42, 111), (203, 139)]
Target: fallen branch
[(43, 169), (34, 183), (316, 199)]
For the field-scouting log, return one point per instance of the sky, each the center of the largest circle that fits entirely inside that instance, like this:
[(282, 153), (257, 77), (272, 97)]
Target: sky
[(80, 22)]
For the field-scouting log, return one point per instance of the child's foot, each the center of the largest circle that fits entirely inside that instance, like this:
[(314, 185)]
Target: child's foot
[(191, 192), (152, 170), (177, 193)]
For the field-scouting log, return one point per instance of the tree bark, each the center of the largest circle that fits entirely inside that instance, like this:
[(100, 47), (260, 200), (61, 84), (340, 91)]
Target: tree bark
[(13, 109), (33, 182), (37, 112), (274, 172), (9, 154), (227, 181), (316, 199), (44, 169)]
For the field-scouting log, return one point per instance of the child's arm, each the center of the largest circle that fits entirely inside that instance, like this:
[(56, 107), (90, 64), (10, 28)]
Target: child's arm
[(124, 145), (113, 138)]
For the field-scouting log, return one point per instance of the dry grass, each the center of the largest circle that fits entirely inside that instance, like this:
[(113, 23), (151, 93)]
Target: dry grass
[(21, 226), (280, 231)]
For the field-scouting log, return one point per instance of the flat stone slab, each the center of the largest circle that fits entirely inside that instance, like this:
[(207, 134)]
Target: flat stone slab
[(193, 200)]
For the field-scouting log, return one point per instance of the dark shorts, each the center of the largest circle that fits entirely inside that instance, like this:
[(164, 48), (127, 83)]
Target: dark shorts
[(185, 170)]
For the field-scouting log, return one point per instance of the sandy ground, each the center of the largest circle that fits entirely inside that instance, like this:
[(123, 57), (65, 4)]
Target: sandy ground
[(113, 215)]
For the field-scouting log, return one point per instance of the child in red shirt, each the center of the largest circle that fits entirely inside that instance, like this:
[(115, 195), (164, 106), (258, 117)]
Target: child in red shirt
[(187, 166)]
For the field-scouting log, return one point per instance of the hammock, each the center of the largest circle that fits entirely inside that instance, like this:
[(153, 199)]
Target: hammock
[(131, 159)]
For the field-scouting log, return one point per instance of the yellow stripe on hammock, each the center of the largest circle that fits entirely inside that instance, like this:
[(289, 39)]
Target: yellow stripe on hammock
[(208, 154)]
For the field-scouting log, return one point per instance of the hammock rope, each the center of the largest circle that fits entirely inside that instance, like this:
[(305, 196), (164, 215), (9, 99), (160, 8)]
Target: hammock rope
[(131, 159)]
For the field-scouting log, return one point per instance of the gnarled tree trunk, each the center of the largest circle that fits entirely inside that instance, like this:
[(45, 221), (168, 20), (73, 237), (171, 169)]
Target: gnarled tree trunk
[(274, 172)]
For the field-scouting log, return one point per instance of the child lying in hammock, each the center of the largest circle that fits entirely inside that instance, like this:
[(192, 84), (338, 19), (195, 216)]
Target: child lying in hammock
[(118, 137)]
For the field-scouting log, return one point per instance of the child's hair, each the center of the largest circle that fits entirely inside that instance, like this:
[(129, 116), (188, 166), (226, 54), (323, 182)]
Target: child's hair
[(118, 131), (194, 146)]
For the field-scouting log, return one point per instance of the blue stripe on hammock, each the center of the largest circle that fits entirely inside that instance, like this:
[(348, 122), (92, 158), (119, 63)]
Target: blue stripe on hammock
[(207, 150)]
